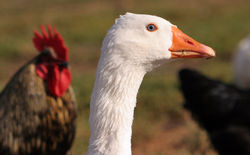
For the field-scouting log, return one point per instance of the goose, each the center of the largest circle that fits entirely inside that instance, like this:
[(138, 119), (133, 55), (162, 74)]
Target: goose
[(241, 64), (221, 109), (134, 45)]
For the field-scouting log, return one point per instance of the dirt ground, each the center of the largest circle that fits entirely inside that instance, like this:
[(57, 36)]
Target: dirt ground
[(179, 137)]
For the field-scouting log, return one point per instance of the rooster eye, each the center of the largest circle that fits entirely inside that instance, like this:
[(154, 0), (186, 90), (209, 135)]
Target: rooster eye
[(151, 27)]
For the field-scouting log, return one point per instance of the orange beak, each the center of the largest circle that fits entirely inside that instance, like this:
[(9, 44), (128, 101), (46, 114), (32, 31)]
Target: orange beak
[(184, 46)]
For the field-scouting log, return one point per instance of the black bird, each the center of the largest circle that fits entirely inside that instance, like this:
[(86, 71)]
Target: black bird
[(223, 110)]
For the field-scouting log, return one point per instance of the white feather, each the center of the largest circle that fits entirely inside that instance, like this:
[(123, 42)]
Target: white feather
[(129, 51), (242, 64)]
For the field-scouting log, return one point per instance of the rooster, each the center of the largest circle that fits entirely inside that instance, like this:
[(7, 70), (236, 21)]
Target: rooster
[(221, 109), (38, 106)]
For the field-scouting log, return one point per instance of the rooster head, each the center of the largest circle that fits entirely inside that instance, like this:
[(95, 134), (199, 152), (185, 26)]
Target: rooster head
[(52, 64)]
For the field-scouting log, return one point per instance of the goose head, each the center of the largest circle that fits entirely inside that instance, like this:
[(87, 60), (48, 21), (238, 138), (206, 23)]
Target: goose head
[(148, 41), (134, 45)]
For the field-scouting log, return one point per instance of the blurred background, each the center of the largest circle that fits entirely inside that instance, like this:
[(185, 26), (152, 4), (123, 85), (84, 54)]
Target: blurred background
[(161, 125)]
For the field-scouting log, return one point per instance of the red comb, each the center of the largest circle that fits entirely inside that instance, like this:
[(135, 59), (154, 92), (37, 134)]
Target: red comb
[(53, 39)]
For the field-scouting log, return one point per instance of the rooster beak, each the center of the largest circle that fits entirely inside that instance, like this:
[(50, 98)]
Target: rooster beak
[(184, 46)]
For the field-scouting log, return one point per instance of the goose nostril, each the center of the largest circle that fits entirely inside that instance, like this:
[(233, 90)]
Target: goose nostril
[(189, 42)]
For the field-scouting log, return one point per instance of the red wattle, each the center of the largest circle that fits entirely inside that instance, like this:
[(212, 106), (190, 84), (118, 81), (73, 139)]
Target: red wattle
[(59, 80)]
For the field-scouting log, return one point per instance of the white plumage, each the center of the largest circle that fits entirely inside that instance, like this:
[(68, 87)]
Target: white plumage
[(130, 50), (241, 64)]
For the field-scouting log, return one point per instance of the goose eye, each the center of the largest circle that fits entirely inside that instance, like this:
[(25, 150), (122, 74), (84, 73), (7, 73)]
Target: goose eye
[(151, 27)]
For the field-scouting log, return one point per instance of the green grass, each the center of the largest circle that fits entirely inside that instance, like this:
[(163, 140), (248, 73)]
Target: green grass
[(83, 24)]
